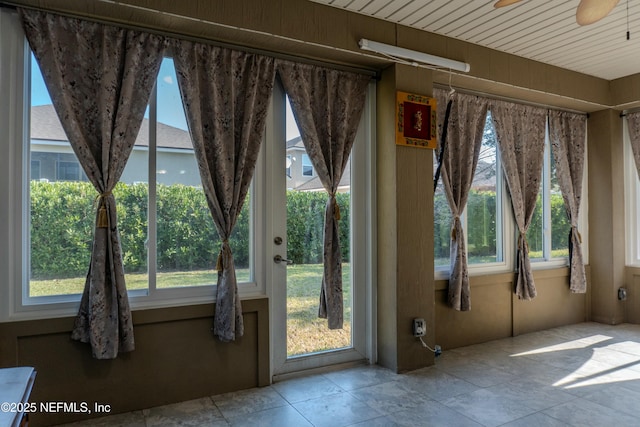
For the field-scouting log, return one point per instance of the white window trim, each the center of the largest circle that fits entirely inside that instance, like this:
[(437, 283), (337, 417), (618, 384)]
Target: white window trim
[(508, 228), (504, 234), (583, 221), (631, 201), (15, 304), (547, 261)]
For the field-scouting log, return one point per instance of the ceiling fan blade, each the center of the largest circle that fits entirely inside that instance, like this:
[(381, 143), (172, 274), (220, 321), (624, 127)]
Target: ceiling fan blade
[(590, 11), (503, 3)]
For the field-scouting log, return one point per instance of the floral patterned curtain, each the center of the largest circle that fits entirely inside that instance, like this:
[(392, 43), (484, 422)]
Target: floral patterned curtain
[(327, 105), (225, 94), (633, 125), (99, 78), (461, 153), (567, 132), (520, 130)]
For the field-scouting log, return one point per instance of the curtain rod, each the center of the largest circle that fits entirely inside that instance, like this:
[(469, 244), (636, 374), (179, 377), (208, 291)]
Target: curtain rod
[(624, 113), (278, 55), (507, 99)]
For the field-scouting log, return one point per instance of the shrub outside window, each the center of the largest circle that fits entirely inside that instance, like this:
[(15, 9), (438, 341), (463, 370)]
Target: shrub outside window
[(167, 233)]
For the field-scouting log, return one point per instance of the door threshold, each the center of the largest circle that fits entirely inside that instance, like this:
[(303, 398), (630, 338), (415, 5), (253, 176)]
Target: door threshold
[(319, 370)]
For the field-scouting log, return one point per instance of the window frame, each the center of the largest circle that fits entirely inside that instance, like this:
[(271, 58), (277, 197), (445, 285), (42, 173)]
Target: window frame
[(632, 202), (509, 229), (547, 260), (15, 303), (306, 164), (505, 233), (62, 165)]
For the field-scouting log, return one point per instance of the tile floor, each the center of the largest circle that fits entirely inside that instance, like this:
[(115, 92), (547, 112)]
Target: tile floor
[(580, 375)]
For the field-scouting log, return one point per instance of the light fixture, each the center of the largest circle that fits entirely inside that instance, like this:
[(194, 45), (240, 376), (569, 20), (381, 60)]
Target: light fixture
[(396, 52)]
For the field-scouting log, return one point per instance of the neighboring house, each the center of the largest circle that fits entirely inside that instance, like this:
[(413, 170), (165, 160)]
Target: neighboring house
[(52, 157), (302, 176)]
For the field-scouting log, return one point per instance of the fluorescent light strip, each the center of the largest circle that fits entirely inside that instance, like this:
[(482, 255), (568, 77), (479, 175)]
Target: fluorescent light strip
[(413, 55)]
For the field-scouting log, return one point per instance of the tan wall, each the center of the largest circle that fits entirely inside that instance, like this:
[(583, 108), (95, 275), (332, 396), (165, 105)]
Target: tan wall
[(387, 217), (632, 304), (606, 214), (405, 230), (625, 92), (176, 358), (497, 313)]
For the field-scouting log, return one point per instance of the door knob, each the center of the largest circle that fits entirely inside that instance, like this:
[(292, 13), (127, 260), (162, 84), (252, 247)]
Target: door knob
[(278, 259)]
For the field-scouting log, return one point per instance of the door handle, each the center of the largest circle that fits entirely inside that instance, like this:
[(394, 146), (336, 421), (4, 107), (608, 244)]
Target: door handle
[(278, 259)]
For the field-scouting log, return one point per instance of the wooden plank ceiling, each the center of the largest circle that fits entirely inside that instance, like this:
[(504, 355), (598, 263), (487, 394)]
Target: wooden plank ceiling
[(542, 30)]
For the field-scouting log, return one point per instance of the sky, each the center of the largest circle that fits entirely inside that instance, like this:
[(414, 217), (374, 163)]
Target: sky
[(170, 110)]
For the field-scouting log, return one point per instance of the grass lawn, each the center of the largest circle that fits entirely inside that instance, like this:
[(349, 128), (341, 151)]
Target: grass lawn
[(306, 332), (533, 256)]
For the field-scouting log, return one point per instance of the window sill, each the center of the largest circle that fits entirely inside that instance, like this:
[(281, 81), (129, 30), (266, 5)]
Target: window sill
[(67, 305)]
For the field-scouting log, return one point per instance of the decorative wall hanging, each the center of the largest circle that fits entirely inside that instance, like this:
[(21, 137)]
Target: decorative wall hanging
[(415, 120)]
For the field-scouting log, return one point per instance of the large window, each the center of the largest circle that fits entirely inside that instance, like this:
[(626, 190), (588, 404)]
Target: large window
[(548, 234), (488, 220), (484, 206), (482, 218), (167, 233), (632, 203)]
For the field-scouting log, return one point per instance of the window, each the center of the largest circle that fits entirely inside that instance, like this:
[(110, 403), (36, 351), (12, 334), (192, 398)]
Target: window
[(548, 234), (484, 205), (67, 171), (488, 220), (307, 167), (482, 218), (288, 163), (167, 233), (169, 242), (35, 170), (632, 202)]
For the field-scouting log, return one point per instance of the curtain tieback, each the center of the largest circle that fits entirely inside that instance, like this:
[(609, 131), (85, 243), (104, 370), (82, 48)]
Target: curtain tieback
[(522, 241), (454, 233), (103, 221), (219, 262), (574, 228), (336, 211)]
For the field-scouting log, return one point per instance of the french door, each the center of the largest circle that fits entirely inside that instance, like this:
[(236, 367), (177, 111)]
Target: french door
[(295, 203)]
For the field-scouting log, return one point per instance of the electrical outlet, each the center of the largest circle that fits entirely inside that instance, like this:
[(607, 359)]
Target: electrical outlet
[(622, 294), (419, 327)]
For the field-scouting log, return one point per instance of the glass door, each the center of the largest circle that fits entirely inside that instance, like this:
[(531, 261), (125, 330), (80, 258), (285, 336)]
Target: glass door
[(302, 340)]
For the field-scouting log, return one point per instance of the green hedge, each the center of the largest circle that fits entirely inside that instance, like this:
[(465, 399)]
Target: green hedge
[(481, 224), (305, 219), (63, 215)]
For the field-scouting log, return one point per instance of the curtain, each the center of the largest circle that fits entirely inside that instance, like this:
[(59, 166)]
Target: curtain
[(633, 124), (99, 78), (327, 105), (520, 130), (567, 132), (225, 94), (461, 153)]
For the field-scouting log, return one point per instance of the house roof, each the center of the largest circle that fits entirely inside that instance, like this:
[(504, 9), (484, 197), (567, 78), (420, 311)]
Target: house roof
[(45, 125), (295, 143), (314, 183)]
